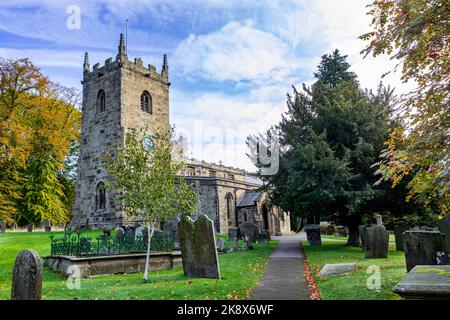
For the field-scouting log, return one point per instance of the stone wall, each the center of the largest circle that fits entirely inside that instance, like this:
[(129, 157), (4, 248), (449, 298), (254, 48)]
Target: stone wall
[(113, 264)]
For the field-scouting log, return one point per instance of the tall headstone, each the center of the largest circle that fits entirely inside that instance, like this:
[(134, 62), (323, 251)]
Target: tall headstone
[(377, 241), (313, 234), (362, 229), (2, 226), (139, 231), (233, 232), (444, 227), (198, 247), (47, 226), (235, 244), (27, 276), (30, 227), (422, 245), (120, 234), (398, 233), (249, 230)]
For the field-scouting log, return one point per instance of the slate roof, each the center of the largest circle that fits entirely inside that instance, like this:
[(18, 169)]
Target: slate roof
[(249, 198)]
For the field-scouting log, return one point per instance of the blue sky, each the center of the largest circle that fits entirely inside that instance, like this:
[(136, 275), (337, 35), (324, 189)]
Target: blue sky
[(231, 62)]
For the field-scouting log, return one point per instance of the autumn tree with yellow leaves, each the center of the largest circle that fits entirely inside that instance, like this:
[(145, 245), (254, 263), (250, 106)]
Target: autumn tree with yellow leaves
[(415, 33), (39, 124)]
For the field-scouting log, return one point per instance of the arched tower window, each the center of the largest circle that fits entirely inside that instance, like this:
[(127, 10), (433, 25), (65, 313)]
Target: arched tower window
[(101, 101), (146, 102), (100, 196)]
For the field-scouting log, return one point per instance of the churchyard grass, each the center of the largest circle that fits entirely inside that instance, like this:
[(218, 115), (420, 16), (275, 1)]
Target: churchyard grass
[(353, 286), (240, 272)]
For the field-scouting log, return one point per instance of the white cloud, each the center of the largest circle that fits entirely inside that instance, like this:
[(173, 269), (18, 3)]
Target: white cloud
[(237, 52), (217, 125)]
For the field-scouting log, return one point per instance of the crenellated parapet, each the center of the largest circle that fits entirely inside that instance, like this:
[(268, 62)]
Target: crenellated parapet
[(122, 61)]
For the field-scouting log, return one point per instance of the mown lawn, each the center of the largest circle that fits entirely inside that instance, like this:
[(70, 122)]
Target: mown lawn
[(240, 272), (353, 286)]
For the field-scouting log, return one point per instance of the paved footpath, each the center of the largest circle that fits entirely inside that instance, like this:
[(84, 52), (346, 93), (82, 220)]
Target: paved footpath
[(284, 279)]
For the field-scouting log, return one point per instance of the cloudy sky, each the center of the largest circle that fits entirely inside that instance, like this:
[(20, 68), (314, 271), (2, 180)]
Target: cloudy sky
[(231, 62)]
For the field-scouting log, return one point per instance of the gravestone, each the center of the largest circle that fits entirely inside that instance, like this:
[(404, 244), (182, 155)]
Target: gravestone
[(425, 282), (313, 234), (248, 243), (398, 232), (377, 241), (444, 227), (249, 230), (30, 227), (198, 247), (27, 276), (339, 231), (362, 234), (120, 234), (47, 226), (139, 231), (233, 232), (2, 226), (421, 245), (221, 245), (264, 237), (336, 269), (235, 244)]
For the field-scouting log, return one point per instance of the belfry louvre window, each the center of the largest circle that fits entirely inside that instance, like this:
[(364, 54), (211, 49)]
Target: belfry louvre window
[(101, 106), (146, 102), (100, 196)]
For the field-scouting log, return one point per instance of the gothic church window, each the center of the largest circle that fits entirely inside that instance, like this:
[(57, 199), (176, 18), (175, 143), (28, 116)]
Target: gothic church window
[(100, 196), (101, 106), (146, 102)]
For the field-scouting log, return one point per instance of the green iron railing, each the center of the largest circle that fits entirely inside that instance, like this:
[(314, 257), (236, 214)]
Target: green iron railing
[(73, 244)]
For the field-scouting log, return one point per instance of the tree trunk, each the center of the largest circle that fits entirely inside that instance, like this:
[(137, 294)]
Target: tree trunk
[(353, 236), (147, 258)]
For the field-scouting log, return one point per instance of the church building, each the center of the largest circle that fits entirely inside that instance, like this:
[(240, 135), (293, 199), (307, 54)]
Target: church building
[(122, 95)]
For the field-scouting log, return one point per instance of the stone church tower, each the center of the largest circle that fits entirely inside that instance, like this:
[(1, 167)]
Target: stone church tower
[(117, 97)]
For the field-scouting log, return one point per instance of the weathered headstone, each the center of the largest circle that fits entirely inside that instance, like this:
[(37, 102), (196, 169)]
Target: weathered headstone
[(249, 230), (340, 231), (264, 237), (362, 234), (139, 231), (425, 282), (221, 245), (198, 247), (120, 234), (421, 246), (336, 269), (235, 244), (27, 276), (444, 227), (313, 234), (30, 227), (377, 242), (47, 226), (233, 232), (248, 243), (398, 232), (2, 226)]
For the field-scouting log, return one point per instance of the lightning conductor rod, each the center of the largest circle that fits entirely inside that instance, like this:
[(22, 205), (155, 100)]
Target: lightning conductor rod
[(126, 36)]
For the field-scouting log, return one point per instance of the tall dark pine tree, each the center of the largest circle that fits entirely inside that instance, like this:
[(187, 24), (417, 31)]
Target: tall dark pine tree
[(331, 135)]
